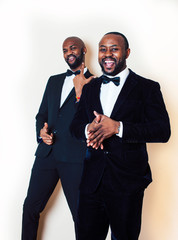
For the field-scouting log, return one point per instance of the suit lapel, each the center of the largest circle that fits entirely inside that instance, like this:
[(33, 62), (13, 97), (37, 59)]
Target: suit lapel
[(72, 93), (95, 100), (58, 90), (126, 89)]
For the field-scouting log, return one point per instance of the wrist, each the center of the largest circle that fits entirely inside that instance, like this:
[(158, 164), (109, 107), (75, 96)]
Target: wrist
[(117, 127), (77, 99), (78, 91)]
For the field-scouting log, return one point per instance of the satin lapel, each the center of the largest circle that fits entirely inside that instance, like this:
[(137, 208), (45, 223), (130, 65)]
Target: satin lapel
[(95, 96), (57, 91), (128, 86), (72, 93)]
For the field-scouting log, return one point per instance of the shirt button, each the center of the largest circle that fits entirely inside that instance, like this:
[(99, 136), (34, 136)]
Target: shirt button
[(106, 152)]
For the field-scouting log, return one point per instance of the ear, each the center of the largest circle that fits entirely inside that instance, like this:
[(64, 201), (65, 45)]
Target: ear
[(127, 53), (84, 50)]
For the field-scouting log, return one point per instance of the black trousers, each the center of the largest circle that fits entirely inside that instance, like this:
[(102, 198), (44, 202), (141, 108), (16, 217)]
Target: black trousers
[(44, 178), (105, 207)]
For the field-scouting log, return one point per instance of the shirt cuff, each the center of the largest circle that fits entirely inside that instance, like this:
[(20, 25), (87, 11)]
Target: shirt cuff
[(120, 130), (39, 139), (86, 134)]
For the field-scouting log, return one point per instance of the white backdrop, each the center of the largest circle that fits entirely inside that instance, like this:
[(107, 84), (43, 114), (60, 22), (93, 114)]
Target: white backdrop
[(31, 35)]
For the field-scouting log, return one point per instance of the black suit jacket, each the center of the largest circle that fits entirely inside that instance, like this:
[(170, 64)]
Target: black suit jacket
[(65, 148), (141, 108)]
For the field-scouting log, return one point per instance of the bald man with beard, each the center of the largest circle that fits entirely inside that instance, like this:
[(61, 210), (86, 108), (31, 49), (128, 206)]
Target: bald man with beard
[(58, 155)]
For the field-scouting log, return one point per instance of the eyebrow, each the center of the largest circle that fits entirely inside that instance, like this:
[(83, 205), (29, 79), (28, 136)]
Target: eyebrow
[(71, 46), (114, 45)]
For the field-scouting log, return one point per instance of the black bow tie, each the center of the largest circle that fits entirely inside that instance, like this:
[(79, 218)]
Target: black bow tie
[(115, 80), (70, 73)]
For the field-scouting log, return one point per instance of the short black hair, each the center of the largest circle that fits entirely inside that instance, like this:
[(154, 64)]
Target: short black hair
[(122, 35)]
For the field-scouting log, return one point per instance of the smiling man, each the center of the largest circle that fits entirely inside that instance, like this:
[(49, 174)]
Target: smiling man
[(58, 156), (117, 115)]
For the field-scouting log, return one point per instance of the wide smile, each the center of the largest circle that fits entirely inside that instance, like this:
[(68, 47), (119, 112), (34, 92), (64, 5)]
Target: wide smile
[(71, 59), (109, 63)]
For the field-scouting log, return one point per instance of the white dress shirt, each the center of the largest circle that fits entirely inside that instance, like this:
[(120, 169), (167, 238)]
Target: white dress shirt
[(67, 87), (108, 95)]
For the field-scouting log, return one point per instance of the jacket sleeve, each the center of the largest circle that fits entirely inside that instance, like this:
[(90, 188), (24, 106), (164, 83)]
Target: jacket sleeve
[(42, 115), (155, 126)]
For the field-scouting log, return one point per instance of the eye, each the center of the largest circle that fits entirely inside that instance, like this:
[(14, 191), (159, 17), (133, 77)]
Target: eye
[(102, 49), (64, 50), (114, 49), (73, 48)]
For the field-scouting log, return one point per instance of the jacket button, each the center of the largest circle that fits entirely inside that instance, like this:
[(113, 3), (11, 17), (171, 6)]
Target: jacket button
[(55, 131), (106, 152)]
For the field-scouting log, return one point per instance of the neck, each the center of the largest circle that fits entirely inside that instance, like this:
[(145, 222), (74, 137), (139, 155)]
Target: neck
[(78, 68)]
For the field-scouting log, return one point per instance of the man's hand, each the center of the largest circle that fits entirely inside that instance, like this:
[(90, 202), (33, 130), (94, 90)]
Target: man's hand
[(95, 122), (80, 80), (91, 128), (48, 139), (98, 132)]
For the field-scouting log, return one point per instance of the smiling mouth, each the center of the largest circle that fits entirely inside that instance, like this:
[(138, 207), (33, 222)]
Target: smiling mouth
[(109, 63), (71, 59)]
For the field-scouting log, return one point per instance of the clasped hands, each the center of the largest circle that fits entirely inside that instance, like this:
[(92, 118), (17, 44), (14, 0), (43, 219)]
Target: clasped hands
[(100, 129)]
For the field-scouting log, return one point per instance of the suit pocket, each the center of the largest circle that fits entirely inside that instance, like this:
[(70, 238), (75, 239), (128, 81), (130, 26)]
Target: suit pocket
[(43, 150)]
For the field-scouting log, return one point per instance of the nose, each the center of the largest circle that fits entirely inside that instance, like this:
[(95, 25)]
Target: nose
[(69, 52), (108, 53)]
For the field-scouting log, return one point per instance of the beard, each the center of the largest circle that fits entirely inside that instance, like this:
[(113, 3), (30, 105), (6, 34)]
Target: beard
[(78, 60), (118, 67)]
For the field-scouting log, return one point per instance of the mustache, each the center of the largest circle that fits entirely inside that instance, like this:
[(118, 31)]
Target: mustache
[(108, 58)]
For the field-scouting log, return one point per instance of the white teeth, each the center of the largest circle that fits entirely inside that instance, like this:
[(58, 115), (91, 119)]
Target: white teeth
[(109, 61)]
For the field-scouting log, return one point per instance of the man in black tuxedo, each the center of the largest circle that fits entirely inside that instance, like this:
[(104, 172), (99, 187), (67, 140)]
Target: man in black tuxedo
[(58, 156), (117, 114)]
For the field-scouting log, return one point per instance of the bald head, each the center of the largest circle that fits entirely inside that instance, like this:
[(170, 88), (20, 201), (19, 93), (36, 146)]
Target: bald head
[(74, 52), (74, 39)]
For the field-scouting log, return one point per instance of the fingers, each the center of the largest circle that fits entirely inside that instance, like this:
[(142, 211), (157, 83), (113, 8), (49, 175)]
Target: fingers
[(46, 136), (45, 126), (101, 146), (93, 127), (95, 143), (98, 117), (48, 139), (95, 139), (95, 113), (48, 142), (90, 78), (82, 68)]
